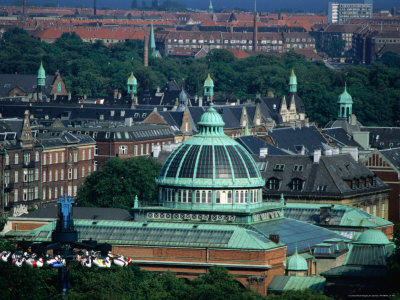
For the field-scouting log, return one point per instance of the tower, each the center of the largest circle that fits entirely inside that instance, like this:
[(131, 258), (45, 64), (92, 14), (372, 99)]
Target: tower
[(345, 104), (152, 42), (210, 7), (132, 84), (292, 82), (255, 29), (209, 87), (41, 76)]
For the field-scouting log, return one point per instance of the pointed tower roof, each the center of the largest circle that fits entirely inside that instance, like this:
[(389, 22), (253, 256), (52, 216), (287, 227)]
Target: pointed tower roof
[(293, 82), (152, 40), (345, 97), (132, 79), (209, 82), (41, 72), (210, 7)]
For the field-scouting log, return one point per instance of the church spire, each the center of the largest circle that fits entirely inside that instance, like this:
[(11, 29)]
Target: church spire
[(292, 82), (152, 39), (41, 75), (210, 7)]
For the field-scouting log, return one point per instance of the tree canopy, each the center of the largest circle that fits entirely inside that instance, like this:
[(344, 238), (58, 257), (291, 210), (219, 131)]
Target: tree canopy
[(119, 181), (96, 70)]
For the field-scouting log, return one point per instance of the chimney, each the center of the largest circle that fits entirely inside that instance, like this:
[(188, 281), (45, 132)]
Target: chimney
[(200, 101), (317, 156), (128, 122), (119, 95), (146, 51), (274, 238), (164, 109), (325, 214), (115, 93), (328, 152), (270, 94), (156, 150), (69, 96), (353, 151), (263, 152), (94, 8)]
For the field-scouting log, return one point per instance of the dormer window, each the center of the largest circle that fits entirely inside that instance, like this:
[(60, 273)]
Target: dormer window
[(273, 184), (298, 168), (321, 188), (296, 184), (279, 167)]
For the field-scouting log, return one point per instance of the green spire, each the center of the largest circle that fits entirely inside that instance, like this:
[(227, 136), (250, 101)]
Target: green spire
[(209, 87), (41, 75), (132, 84), (210, 7), (345, 102), (292, 82), (152, 39), (246, 130)]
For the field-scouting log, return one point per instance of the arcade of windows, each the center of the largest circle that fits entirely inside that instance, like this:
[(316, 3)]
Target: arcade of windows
[(206, 196)]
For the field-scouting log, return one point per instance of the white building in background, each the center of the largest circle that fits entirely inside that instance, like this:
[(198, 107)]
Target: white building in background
[(340, 13)]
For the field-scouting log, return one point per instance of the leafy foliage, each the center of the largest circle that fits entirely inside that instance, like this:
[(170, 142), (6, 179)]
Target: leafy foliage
[(94, 69), (119, 181), (129, 283)]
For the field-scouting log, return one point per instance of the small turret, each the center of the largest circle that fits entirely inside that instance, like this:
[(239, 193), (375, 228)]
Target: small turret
[(41, 76), (345, 102), (292, 82), (132, 84), (209, 87)]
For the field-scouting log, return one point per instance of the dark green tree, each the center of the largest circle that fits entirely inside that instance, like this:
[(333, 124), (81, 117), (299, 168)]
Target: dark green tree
[(335, 47), (119, 181)]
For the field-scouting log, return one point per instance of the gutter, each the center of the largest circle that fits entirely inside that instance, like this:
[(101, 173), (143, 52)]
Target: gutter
[(199, 264)]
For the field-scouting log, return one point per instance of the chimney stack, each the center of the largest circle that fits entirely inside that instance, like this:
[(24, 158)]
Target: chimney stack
[(317, 156), (263, 152), (255, 29), (94, 8), (274, 238)]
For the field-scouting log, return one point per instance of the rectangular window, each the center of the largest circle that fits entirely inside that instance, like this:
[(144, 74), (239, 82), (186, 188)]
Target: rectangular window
[(75, 190), (61, 191), (15, 195), (62, 157), (25, 173), (6, 178), (383, 211), (135, 150), (147, 148), (16, 158), (44, 195), (69, 173), (50, 159), (90, 154), (27, 158), (56, 158), (44, 159), (83, 155), (83, 172), (16, 176), (31, 175), (44, 176), (123, 149), (37, 156), (36, 174), (90, 170), (95, 166), (25, 194), (49, 193), (56, 175), (75, 173), (76, 157), (62, 174), (55, 192), (50, 175), (7, 159)]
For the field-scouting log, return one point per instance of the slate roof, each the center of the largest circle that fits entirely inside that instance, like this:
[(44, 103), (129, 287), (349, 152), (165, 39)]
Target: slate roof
[(296, 233), (343, 123), (294, 138), (27, 83), (383, 137), (340, 137), (10, 126), (62, 138), (253, 144), (393, 155), (330, 173), (286, 283), (356, 271), (82, 213)]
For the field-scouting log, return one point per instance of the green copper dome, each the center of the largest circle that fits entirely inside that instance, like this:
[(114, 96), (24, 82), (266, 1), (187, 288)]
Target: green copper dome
[(345, 97), (296, 262), (132, 79), (208, 82), (210, 159), (372, 237)]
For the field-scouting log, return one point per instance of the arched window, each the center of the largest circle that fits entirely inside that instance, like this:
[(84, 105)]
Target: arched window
[(273, 184), (297, 184), (218, 197)]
